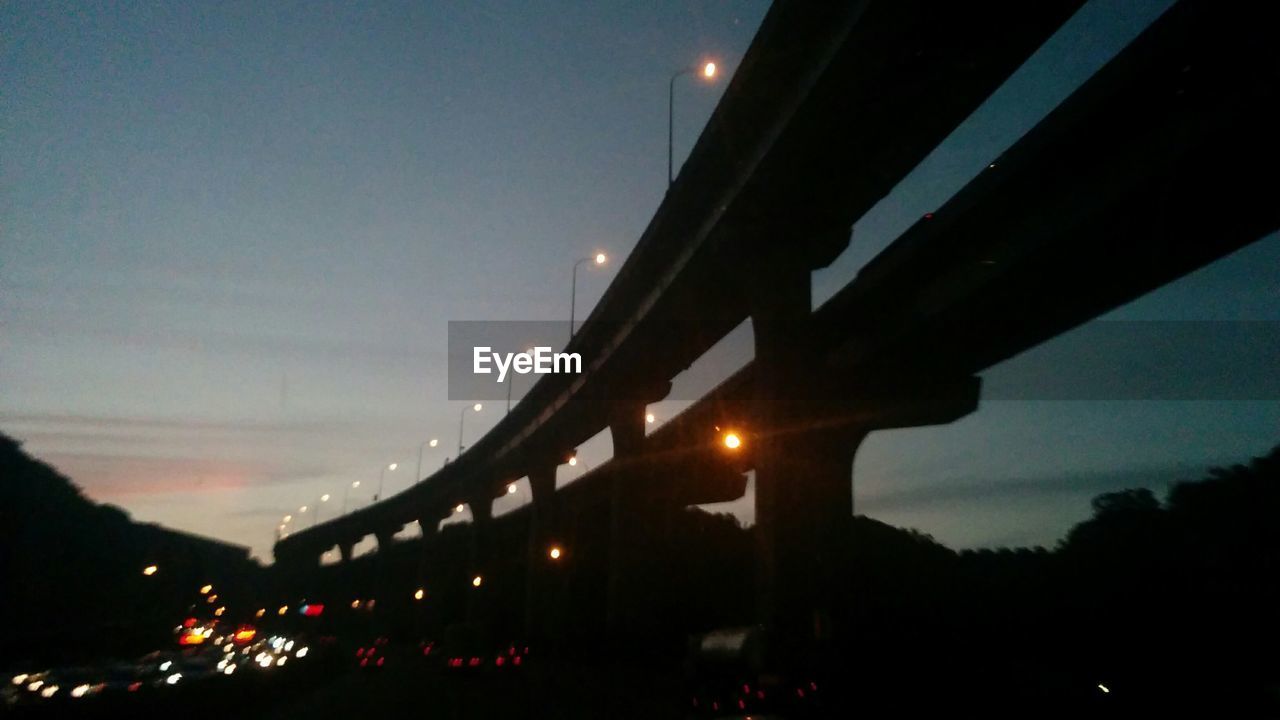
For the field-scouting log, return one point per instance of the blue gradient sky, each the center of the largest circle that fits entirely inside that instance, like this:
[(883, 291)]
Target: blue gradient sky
[(233, 236)]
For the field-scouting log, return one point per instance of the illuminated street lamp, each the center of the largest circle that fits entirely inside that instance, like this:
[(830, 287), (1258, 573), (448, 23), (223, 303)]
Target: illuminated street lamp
[(315, 516), (554, 553), (599, 259), (732, 440), (708, 72), (649, 418), (419, 594), (381, 476), (477, 581), (149, 570), (462, 419), (354, 484), (417, 474)]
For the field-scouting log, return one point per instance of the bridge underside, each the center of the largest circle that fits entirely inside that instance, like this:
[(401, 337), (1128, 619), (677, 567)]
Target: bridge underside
[(1160, 164)]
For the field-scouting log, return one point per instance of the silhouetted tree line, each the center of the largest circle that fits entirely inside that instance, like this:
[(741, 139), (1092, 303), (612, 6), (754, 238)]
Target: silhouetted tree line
[(1169, 601), (1168, 604), (72, 570)]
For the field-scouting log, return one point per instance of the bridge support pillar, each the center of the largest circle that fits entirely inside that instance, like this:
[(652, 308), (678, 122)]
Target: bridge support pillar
[(808, 421), (630, 512), (385, 536), (481, 505), (803, 469), (543, 532), (429, 526), (346, 548)]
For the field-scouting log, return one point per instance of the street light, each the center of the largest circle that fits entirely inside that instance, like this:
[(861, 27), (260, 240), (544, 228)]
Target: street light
[(462, 418), (381, 476), (732, 440), (149, 570), (354, 484), (315, 516), (649, 418), (707, 71), (417, 474), (599, 259)]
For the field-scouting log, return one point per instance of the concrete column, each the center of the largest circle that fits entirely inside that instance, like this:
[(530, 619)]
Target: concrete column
[(385, 536), (626, 516), (803, 480), (430, 526), (542, 532), (429, 523), (481, 505)]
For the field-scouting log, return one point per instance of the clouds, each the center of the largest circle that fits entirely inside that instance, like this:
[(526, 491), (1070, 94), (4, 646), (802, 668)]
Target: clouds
[(112, 476), (959, 492)]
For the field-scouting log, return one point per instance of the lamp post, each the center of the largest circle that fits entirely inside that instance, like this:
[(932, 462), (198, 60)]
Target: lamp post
[(599, 259), (462, 419), (417, 474), (355, 484), (382, 476), (315, 514), (707, 71)]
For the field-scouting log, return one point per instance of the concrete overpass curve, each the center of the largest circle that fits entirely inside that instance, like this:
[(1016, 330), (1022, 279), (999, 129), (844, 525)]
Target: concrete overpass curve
[(823, 87)]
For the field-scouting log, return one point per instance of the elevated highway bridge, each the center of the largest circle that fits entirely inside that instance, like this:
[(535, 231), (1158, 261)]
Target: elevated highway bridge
[(1158, 165)]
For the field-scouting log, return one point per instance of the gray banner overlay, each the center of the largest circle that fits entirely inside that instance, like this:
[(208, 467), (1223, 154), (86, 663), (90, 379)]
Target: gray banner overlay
[(1102, 360)]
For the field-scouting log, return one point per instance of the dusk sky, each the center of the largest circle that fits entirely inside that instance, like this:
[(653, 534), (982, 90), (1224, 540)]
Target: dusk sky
[(232, 237)]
